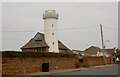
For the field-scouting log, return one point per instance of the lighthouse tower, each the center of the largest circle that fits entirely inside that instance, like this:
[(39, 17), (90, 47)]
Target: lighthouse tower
[(50, 28)]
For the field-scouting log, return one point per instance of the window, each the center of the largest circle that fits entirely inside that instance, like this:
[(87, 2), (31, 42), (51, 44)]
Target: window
[(38, 50), (52, 33), (53, 43), (60, 51), (52, 25), (38, 41), (44, 50), (41, 50)]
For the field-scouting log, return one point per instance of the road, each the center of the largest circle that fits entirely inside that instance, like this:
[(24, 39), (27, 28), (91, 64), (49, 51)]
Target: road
[(107, 70)]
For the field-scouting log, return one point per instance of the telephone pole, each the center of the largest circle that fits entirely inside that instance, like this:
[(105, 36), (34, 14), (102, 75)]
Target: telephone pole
[(103, 46)]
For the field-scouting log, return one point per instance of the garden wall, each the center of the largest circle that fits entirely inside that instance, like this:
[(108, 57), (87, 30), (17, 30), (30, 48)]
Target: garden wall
[(14, 63), (94, 61), (13, 66)]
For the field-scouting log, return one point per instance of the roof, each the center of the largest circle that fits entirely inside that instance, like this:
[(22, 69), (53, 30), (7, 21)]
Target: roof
[(32, 44), (110, 51), (93, 48), (61, 45), (40, 37)]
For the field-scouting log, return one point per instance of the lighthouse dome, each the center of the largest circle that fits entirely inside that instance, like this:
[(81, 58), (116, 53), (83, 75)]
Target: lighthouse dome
[(50, 14)]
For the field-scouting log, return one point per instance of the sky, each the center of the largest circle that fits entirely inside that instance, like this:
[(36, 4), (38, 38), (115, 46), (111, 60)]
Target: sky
[(78, 23)]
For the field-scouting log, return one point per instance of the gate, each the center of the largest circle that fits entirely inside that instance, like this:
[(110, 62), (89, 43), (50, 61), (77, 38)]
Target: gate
[(45, 67), (80, 60)]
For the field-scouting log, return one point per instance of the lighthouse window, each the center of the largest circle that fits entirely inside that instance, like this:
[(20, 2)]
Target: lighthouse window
[(53, 43), (52, 33), (52, 25)]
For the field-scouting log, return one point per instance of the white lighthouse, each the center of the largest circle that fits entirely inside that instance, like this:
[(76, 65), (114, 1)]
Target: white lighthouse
[(50, 28)]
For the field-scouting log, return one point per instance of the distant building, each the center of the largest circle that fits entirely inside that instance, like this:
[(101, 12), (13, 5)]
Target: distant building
[(93, 48), (111, 51), (48, 42), (95, 51)]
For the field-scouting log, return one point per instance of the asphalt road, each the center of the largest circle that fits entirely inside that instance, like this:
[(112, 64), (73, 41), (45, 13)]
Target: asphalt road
[(104, 70)]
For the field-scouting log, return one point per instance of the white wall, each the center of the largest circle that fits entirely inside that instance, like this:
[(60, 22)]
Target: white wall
[(49, 38)]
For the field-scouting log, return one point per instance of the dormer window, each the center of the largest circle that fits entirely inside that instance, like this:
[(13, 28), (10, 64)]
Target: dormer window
[(38, 41)]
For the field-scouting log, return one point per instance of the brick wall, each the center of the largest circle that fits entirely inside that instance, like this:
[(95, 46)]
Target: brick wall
[(94, 61), (13, 66)]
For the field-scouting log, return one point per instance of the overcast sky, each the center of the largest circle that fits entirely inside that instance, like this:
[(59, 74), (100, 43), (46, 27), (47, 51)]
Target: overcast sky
[(78, 23)]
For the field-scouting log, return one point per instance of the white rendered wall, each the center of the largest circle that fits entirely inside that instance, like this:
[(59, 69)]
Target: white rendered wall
[(49, 37)]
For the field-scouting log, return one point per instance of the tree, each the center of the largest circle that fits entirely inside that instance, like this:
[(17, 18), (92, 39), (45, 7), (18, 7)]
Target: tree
[(79, 54), (116, 54)]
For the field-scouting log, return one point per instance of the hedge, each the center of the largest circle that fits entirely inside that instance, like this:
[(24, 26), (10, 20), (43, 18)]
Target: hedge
[(14, 54)]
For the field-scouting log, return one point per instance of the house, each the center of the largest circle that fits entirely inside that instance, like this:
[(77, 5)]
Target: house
[(38, 44), (93, 48), (111, 51), (95, 51)]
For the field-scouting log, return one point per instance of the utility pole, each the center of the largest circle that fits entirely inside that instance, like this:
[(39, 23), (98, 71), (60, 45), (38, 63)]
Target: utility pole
[(103, 47)]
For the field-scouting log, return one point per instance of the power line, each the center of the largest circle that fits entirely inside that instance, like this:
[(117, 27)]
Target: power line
[(54, 30), (110, 28), (67, 29), (79, 28), (20, 31)]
